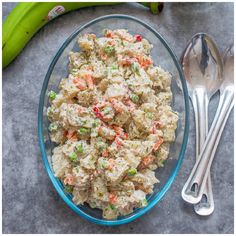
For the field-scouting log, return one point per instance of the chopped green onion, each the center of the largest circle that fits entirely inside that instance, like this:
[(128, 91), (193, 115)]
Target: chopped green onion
[(149, 115), (106, 110), (104, 32), (110, 69), (53, 127), (114, 67), (101, 146), (50, 110), (73, 157), (111, 206), (134, 98), (69, 188), (93, 204), (135, 67), (109, 49), (162, 162), (80, 148), (52, 95), (83, 130), (74, 71), (96, 123), (104, 164), (157, 153), (132, 172), (144, 202), (84, 122)]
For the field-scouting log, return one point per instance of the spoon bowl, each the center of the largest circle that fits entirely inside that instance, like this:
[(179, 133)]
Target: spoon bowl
[(202, 64)]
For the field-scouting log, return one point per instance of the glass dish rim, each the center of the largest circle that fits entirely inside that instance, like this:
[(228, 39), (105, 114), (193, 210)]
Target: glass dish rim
[(175, 170)]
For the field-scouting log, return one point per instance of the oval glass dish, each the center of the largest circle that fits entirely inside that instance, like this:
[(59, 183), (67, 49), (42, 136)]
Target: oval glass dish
[(163, 56)]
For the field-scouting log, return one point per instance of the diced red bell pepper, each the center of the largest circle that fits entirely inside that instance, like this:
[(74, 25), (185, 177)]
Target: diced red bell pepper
[(118, 142), (112, 198), (138, 38), (105, 153)]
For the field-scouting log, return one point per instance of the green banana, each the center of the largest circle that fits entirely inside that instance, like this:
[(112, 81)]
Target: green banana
[(28, 17)]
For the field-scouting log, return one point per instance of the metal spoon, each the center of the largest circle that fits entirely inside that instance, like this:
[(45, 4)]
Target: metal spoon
[(202, 67), (202, 167)]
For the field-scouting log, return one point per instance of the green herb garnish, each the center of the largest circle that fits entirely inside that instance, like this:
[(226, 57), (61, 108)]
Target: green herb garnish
[(144, 202), (104, 32), (106, 110), (158, 153), (83, 130), (111, 206), (114, 67), (74, 71), (93, 204), (50, 111), (109, 49), (69, 188), (135, 67), (53, 127), (52, 95), (96, 123), (73, 157), (134, 98), (149, 115), (80, 148)]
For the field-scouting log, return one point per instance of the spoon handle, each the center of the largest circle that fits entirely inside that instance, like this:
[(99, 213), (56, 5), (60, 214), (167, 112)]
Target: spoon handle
[(200, 106), (200, 171), (200, 103)]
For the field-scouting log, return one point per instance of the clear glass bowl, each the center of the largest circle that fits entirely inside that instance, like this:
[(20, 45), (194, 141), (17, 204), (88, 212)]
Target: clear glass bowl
[(163, 56)]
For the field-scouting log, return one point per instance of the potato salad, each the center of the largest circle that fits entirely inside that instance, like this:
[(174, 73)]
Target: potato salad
[(112, 122)]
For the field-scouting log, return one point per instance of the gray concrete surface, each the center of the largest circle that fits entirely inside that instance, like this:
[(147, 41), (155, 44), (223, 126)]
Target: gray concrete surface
[(30, 203)]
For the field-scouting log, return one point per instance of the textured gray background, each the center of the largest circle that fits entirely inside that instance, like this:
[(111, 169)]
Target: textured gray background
[(30, 203)]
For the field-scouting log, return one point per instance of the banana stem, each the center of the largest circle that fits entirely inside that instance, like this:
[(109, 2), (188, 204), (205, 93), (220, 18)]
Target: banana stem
[(155, 7)]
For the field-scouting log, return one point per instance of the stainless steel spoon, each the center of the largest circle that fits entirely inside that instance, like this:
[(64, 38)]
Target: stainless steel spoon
[(202, 167), (203, 68)]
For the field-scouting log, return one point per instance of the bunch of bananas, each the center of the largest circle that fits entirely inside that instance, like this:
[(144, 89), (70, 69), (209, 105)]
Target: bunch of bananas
[(28, 17)]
